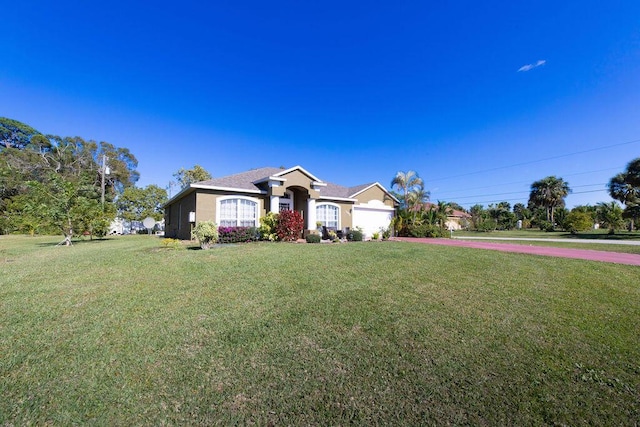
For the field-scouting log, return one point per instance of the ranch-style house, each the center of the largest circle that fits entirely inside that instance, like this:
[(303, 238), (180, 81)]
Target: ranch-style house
[(242, 199)]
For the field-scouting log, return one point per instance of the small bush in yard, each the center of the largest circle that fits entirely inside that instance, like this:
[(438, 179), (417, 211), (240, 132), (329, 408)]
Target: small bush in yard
[(426, 230), (313, 238), (577, 221), (355, 236), (546, 226), (487, 225), (207, 233), (386, 233), (171, 243), (268, 225), (290, 224)]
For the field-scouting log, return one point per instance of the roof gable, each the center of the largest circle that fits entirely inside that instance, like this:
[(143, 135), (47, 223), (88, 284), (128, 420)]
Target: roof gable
[(362, 188), (297, 168)]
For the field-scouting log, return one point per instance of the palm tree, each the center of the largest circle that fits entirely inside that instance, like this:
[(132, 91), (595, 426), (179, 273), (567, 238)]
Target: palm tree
[(610, 215), (622, 189), (444, 210), (401, 222), (633, 172), (417, 195), (549, 193), (521, 211), (409, 182)]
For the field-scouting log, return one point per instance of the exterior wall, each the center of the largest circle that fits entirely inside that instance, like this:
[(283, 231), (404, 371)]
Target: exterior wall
[(204, 204), (455, 223), (346, 217), (375, 193), (176, 217), (297, 179), (452, 224)]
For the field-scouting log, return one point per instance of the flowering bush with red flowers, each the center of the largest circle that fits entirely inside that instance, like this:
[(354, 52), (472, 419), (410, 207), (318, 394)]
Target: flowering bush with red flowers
[(290, 225)]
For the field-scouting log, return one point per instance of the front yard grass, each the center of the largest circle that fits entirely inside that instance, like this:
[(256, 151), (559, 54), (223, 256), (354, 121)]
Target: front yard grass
[(122, 332)]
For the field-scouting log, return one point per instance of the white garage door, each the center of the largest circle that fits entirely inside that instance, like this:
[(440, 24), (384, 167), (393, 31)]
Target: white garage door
[(371, 220)]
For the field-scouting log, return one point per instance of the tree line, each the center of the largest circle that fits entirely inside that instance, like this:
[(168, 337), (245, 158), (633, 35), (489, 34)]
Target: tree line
[(545, 208), (72, 186)]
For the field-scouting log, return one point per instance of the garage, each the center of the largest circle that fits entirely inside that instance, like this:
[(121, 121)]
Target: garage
[(372, 219)]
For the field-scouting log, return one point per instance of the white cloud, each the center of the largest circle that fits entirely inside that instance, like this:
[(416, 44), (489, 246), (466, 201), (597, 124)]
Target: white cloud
[(528, 67)]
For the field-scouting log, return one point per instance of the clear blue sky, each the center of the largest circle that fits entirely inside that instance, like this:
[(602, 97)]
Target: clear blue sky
[(472, 95)]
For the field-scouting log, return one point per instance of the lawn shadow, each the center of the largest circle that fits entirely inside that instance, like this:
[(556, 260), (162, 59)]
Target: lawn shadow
[(75, 242), (605, 236), (214, 246)]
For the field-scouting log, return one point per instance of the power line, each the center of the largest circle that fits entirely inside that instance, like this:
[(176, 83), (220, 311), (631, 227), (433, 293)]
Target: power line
[(519, 199), (523, 192), (539, 160), (505, 184)]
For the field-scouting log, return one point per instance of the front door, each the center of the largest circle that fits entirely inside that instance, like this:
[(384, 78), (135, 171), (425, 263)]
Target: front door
[(286, 201)]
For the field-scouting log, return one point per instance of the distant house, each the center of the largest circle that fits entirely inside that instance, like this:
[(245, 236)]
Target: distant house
[(242, 199), (456, 220), (117, 226)]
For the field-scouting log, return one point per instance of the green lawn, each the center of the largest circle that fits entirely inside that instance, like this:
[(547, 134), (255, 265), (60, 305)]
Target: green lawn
[(122, 332)]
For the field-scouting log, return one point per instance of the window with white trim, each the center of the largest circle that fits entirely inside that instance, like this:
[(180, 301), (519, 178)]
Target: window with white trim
[(328, 215), (237, 212)]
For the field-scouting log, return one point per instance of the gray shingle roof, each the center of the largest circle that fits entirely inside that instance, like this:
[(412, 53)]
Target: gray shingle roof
[(334, 190), (243, 180)]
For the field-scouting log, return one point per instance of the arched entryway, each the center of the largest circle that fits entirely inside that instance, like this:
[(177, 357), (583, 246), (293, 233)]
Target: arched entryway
[(300, 203)]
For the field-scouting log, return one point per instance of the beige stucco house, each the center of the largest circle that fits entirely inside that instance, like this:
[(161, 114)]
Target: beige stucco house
[(242, 199)]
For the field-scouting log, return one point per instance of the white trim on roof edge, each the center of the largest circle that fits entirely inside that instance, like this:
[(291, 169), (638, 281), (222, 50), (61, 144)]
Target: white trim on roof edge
[(239, 190), (346, 199), (269, 178), (374, 208)]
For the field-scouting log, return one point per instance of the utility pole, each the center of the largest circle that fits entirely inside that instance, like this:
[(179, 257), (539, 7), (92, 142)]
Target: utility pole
[(104, 170)]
